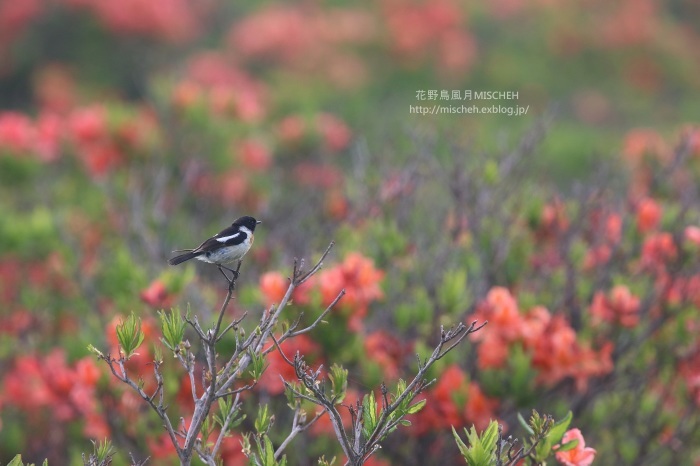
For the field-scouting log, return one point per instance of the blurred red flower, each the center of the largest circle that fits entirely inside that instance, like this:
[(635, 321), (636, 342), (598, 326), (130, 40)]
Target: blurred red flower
[(254, 155), (619, 306), (48, 382), (156, 295), (169, 20), (334, 132), (580, 455), (692, 235), (16, 133), (360, 279), (648, 215), (291, 129), (479, 409), (278, 367), (274, 285), (657, 249), (641, 143), (387, 351)]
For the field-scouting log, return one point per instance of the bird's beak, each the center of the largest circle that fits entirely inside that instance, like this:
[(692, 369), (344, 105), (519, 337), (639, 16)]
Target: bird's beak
[(258, 222)]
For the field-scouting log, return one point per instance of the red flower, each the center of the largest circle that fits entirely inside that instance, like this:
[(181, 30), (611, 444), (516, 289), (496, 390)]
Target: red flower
[(658, 248), (89, 124), (501, 310), (274, 286), (360, 279), (291, 129), (620, 306), (37, 383), (161, 447), (386, 350), (648, 215), (277, 366), (16, 133), (318, 175), (335, 133), (692, 235), (254, 155), (156, 295), (480, 408), (580, 455), (640, 143)]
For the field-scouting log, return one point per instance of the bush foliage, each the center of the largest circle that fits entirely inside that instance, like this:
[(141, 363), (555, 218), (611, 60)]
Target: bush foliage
[(131, 129)]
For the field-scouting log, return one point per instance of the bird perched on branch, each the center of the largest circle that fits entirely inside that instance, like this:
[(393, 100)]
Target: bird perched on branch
[(225, 247)]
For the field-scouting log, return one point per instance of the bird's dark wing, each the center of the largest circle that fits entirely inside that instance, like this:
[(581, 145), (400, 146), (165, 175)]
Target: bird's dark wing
[(228, 237)]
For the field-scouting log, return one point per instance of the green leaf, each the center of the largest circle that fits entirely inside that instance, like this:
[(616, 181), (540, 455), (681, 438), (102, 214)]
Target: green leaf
[(525, 425), (16, 461), (413, 409), (570, 445), (172, 325), (269, 453), (130, 335), (481, 450), (339, 383), (264, 420), (559, 429), (257, 365), (369, 414)]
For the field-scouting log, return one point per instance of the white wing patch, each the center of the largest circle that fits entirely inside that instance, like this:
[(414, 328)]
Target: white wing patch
[(226, 238)]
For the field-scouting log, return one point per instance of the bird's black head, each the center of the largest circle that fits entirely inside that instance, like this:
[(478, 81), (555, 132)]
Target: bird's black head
[(246, 221)]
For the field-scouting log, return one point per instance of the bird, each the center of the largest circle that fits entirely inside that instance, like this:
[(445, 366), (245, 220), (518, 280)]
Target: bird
[(225, 247)]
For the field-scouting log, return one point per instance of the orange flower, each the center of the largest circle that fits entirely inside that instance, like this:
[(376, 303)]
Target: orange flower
[(335, 133), (291, 129), (596, 256), (640, 143), (452, 382), (360, 279), (254, 155), (156, 295), (480, 408), (386, 350), (580, 455), (620, 306), (692, 235), (493, 351), (648, 215), (278, 367), (16, 132), (501, 310), (324, 426), (613, 228), (658, 248), (273, 286)]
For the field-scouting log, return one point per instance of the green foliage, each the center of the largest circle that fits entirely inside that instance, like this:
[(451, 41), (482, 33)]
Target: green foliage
[(264, 420), (481, 449), (370, 416), (17, 461), (32, 235), (257, 365), (339, 383), (129, 335), (227, 411), (172, 326), (545, 434)]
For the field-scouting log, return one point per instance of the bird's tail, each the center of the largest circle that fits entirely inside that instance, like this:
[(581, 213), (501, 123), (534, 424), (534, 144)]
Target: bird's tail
[(183, 257)]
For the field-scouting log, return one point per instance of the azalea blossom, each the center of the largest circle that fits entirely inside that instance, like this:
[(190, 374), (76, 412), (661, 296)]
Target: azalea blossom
[(580, 455)]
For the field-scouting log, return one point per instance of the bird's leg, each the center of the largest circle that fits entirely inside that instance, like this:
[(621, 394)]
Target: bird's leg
[(229, 280), (234, 272)]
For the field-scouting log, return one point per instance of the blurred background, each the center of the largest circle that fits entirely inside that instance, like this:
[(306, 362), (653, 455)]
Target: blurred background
[(129, 129)]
